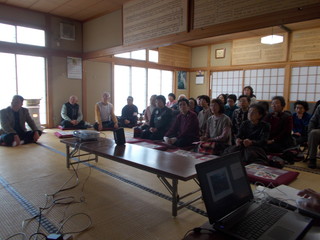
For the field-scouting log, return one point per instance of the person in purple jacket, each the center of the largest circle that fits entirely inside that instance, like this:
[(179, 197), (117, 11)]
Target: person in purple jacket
[(185, 129)]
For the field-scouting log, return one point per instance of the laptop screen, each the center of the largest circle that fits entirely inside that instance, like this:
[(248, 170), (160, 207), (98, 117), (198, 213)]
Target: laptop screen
[(224, 185)]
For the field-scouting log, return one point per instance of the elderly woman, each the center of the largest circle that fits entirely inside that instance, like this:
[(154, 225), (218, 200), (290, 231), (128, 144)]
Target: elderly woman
[(218, 133), (253, 136)]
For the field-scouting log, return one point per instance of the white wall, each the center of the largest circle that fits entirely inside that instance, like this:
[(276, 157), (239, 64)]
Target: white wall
[(103, 32), (98, 80)]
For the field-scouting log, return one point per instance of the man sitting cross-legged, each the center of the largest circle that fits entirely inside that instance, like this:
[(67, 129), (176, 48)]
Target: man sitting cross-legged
[(104, 114), (13, 130), (71, 114)]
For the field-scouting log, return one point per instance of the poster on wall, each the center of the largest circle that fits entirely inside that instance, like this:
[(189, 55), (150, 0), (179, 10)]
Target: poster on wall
[(182, 80), (199, 79), (74, 68)]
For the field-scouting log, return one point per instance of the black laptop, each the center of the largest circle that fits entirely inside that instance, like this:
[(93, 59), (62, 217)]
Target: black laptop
[(232, 209)]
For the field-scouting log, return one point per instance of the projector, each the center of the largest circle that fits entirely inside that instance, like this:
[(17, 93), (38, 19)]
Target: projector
[(86, 135)]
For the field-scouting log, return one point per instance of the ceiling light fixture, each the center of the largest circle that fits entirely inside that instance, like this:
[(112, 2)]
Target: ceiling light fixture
[(272, 39)]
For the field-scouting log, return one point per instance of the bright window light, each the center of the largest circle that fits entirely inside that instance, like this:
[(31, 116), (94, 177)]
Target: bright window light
[(7, 33), (123, 55), (7, 79), (31, 36), (139, 54), (153, 56)]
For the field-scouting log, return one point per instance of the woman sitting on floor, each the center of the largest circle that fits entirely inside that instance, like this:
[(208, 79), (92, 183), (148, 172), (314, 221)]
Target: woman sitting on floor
[(252, 137), (185, 129), (281, 126), (218, 133)]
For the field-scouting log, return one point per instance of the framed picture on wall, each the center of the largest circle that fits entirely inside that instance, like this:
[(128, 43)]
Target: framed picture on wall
[(182, 80), (220, 53)]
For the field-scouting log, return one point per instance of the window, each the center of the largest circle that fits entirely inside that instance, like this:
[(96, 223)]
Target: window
[(123, 55), (266, 83), (140, 55), (153, 56), (140, 83), (305, 83), (226, 82), (23, 75), (7, 79), (24, 35), (30, 36), (122, 86), (137, 55), (7, 33)]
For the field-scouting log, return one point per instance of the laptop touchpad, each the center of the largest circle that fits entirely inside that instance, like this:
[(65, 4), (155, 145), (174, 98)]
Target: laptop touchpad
[(280, 233)]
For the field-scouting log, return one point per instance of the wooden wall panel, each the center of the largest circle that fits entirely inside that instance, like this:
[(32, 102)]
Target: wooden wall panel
[(252, 51), (175, 55), (305, 45)]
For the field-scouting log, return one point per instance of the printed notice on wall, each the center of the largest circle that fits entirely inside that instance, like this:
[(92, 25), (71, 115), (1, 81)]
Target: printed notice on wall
[(74, 68), (148, 19), (211, 12)]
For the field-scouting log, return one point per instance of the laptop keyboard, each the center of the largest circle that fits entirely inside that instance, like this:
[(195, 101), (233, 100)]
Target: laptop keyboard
[(258, 221)]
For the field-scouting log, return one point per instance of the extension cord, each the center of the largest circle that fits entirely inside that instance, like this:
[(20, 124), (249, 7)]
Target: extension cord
[(67, 237)]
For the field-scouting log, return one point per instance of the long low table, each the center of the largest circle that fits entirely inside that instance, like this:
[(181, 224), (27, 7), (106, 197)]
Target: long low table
[(167, 166)]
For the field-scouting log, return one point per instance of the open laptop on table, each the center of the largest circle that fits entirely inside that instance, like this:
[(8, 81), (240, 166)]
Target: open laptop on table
[(231, 207)]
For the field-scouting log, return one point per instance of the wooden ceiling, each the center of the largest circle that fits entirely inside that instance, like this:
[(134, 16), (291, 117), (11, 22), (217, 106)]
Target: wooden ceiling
[(84, 10), (81, 10)]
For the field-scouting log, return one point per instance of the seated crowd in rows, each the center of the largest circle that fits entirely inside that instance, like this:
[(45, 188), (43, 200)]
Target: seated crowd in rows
[(225, 124), (222, 125)]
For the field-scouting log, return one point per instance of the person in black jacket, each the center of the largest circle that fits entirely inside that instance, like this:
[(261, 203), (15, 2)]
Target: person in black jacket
[(71, 114), (129, 115), (252, 136), (160, 120)]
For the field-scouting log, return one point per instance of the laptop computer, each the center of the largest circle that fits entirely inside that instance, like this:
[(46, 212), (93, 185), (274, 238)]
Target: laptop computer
[(230, 204)]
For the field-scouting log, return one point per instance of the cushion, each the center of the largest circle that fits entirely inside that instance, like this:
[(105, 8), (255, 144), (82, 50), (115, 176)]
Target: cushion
[(269, 176), (64, 134)]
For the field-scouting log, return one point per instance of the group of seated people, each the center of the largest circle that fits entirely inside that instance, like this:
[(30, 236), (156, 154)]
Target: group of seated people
[(221, 125), (228, 124), (104, 114)]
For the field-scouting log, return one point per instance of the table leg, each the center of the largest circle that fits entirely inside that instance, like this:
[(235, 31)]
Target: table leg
[(175, 197), (68, 156)]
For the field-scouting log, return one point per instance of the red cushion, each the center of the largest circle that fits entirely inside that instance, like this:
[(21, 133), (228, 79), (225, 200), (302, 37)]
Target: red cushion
[(64, 134), (269, 175)]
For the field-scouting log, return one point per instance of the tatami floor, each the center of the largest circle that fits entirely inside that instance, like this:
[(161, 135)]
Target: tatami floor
[(121, 202)]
